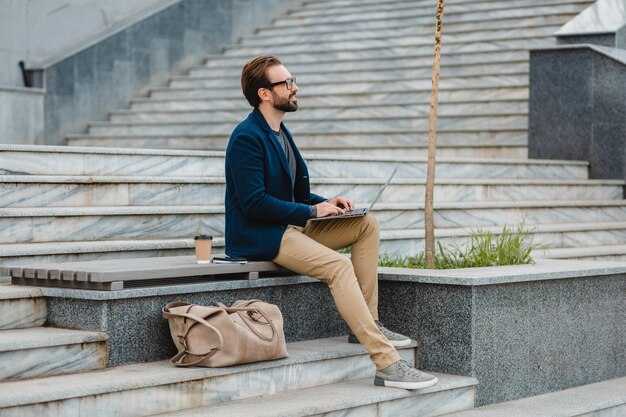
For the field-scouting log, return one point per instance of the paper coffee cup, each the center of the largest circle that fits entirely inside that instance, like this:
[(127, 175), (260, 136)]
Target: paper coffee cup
[(203, 245)]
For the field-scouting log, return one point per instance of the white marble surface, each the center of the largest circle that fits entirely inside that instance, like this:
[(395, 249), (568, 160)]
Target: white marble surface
[(358, 398), (19, 313), (601, 17), (146, 389)]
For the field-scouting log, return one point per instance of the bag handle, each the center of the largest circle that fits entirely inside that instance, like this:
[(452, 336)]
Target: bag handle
[(178, 358), (241, 307)]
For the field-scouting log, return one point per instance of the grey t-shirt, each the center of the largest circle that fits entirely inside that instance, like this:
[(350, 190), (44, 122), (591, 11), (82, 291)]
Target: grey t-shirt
[(291, 160)]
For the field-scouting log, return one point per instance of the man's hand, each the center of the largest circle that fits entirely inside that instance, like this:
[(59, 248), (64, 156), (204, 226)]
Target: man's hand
[(334, 206), (342, 202)]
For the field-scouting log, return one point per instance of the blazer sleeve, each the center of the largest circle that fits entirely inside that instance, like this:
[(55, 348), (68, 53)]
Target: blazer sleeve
[(246, 161)]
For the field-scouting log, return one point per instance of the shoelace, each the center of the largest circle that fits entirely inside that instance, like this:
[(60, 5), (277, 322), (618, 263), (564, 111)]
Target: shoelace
[(408, 370)]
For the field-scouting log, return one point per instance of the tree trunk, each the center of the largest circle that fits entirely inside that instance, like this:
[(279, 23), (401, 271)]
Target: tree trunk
[(430, 176)]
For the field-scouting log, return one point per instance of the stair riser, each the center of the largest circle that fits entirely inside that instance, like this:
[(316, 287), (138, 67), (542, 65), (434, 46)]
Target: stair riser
[(176, 396), (342, 126), (413, 246), (94, 195), (185, 226), (421, 110), (436, 404), (453, 7), (406, 86), (22, 313), (29, 258), (517, 152), (422, 54), (467, 218), (215, 68), (80, 195), (386, 27), (63, 163), (339, 100), (69, 164), (342, 77), (424, 18), (120, 227), (53, 360), (365, 44), (460, 23), (453, 34)]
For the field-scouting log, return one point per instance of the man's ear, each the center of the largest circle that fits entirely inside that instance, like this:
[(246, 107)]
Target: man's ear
[(264, 94)]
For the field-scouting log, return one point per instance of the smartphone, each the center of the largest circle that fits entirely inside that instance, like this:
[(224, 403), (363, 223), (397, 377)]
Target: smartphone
[(229, 260)]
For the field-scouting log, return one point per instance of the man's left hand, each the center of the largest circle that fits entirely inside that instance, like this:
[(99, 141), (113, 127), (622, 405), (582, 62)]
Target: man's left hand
[(342, 202)]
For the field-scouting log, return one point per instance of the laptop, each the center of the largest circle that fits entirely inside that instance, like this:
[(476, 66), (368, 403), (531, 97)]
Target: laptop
[(358, 212)]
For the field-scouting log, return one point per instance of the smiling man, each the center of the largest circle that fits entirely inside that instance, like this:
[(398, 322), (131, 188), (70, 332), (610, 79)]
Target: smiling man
[(268, 208)]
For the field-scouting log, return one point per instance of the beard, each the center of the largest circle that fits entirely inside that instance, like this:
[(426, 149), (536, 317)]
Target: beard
[(284, 104)]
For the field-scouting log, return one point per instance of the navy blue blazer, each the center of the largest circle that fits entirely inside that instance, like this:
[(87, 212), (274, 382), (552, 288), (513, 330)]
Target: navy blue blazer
[(258, 190)]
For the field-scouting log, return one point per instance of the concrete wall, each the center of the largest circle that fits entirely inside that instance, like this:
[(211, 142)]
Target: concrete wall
[(37, 30), (87, 85), (577, 107), (21, 115)]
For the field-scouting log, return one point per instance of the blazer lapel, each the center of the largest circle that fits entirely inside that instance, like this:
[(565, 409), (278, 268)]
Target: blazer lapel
[(273, 139)]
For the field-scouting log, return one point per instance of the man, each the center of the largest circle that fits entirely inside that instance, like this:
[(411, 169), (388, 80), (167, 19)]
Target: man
[(269, 203)]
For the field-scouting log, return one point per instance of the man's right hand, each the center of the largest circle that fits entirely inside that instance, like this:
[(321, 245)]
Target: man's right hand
[(326, 209)]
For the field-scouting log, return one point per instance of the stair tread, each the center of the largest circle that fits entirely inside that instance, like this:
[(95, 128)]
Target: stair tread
[(320, 399), (135, 376), (577, 401), (37, 337), (14, 292), (585, 251)]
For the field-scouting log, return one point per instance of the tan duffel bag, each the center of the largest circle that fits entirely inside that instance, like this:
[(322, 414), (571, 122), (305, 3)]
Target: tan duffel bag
[(249, 331)]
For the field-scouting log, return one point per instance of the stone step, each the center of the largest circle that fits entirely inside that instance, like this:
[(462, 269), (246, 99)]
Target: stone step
[(44, 351), (414, 40), (519, 107), (52, 252), (348, 88), (422, 53), (359, 398), (26, 193), (218, 69), (23, 226), (501, 122), (515, 151), (392, 75), (419, 18), (409, 25), (422, 15), (452, 8), (555, 240), (364, 99), (19, 160), (602, 399), (21, 307), (21, 163), (502, 29), (314, 142), (157, 387), (607, 252)]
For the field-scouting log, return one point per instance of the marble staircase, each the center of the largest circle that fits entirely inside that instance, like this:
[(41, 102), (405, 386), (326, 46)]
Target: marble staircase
[(364, 73), (68, 203), (322, 369), (30, 351)]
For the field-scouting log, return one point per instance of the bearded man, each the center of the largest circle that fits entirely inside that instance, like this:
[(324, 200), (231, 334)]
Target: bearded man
[(268, 206)]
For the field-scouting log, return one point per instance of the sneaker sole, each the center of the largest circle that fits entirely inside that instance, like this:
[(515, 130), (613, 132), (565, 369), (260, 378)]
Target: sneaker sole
[(394, 343), (405, 385), (401, 343)]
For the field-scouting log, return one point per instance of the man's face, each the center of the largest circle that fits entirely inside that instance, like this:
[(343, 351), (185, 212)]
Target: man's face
[(283, 99)]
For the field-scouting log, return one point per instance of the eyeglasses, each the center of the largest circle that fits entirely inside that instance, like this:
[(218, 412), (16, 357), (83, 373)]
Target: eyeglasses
[(289, 82)]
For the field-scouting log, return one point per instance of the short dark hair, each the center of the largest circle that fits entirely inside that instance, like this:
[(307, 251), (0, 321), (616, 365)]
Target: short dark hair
[(254, 76)]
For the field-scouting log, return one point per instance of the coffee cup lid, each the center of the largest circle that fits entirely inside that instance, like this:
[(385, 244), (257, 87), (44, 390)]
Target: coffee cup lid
[(203, 237)]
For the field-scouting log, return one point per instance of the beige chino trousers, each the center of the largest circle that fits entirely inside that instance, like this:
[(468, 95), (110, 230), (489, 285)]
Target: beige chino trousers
[(353, 282)]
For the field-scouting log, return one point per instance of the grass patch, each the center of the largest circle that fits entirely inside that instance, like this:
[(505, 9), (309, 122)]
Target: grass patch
[(511, 247)]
